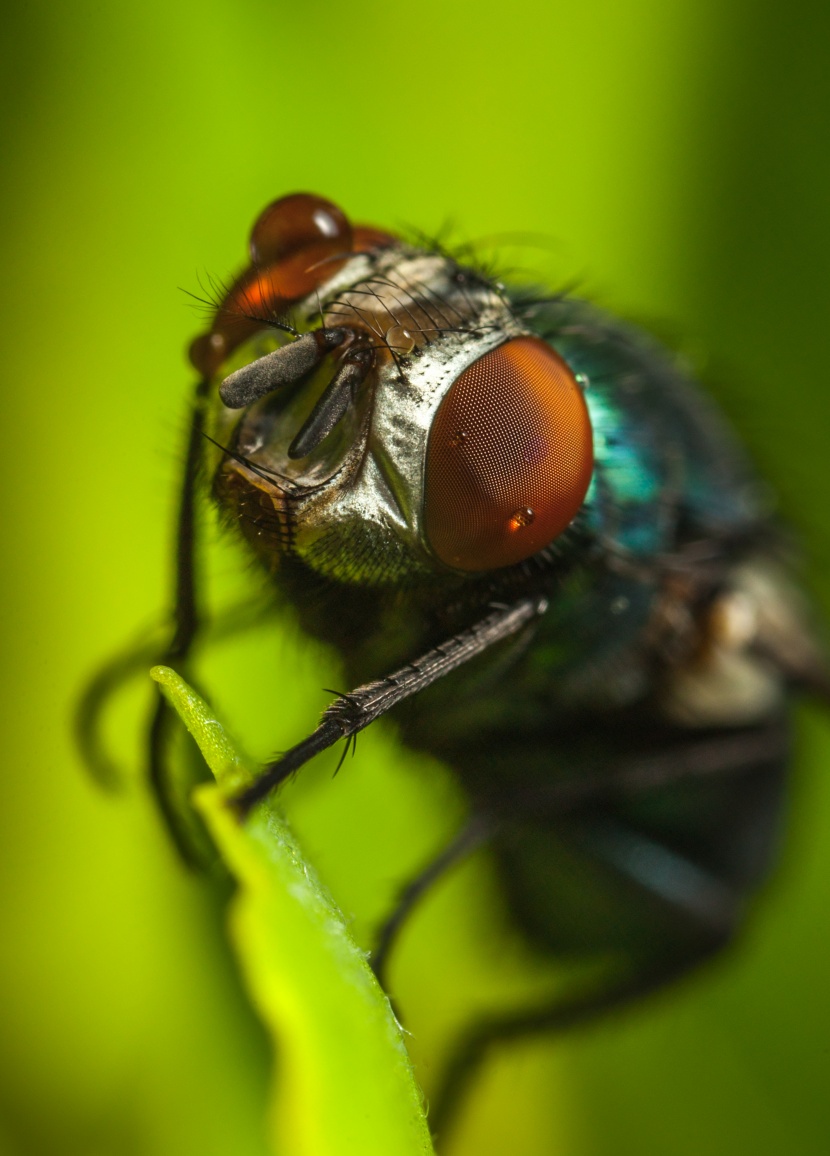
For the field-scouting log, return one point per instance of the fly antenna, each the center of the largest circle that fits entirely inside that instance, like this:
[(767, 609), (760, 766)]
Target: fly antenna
[(285, 366), (338, 395)]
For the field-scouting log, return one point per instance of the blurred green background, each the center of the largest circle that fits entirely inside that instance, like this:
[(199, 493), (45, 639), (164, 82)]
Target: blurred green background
[(675, 154)]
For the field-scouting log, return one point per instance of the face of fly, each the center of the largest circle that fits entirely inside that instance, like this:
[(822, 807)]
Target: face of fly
[(353, 507), (398, 421)]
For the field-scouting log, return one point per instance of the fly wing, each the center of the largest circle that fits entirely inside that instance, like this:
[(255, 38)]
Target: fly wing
[(756, 638)]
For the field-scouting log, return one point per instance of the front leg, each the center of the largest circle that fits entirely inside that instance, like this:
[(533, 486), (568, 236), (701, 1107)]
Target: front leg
[(352, 712)]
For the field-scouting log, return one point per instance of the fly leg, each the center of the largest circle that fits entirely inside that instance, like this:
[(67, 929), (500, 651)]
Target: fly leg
[(185, 628), (696, 902), (124, 666), (701, 760), (101, 688), (360, 707), (569, 1010), (476, 832)]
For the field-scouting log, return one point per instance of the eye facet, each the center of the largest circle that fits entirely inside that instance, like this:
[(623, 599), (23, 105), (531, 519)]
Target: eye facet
[(509, 459)]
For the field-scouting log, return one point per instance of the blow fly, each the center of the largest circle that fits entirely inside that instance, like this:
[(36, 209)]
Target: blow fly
[(527, 532)]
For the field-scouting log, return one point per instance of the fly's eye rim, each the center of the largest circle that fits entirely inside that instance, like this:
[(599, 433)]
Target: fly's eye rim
[(509, 458)]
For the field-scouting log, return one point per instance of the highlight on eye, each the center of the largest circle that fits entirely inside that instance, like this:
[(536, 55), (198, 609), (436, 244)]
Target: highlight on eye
[(509, 459)]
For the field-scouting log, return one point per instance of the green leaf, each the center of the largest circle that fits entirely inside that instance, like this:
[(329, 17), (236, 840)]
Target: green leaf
[(344, 1082)]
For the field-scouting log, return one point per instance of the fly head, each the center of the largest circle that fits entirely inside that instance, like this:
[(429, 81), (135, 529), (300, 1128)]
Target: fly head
[(384, 414)]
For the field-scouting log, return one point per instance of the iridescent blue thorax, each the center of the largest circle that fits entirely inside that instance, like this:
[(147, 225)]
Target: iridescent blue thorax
[(666, 468)]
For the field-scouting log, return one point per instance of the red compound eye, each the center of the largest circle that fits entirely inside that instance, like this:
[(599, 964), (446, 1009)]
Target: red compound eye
[(509, 459)]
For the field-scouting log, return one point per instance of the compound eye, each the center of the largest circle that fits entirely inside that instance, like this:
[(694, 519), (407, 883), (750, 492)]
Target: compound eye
[(509, 459)]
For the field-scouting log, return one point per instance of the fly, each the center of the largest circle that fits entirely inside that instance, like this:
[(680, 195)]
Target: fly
[(529, 533)]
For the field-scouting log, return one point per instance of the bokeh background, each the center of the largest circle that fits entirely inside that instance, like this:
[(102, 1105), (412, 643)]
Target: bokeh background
[(674, 154)]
